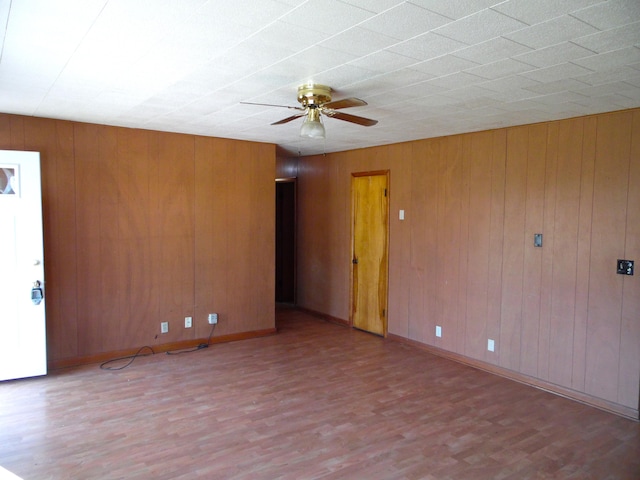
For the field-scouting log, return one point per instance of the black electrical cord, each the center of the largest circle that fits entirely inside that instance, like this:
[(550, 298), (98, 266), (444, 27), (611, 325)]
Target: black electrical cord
[(199, 347), (131, 358)]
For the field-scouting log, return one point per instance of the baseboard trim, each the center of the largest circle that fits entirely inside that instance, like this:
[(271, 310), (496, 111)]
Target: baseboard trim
[(581, 397), (324, 316), (165, 347)]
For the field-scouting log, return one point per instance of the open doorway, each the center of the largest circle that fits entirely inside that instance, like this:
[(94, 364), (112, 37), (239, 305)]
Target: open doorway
[(286, 241)]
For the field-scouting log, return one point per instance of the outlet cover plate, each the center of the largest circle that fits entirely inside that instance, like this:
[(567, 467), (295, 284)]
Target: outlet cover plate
[(438, 331), (537, 240), (491, 345), (164, 327), (213, 318), (188, 322)]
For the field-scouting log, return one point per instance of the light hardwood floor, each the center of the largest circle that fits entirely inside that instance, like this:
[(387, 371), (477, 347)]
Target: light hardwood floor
[(317, 400)]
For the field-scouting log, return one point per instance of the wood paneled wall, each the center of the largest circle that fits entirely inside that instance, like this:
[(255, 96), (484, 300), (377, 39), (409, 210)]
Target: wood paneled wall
[(464, 256), (143, 227)]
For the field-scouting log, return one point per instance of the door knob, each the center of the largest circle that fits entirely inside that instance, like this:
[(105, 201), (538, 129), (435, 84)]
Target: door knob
[(36, 293)]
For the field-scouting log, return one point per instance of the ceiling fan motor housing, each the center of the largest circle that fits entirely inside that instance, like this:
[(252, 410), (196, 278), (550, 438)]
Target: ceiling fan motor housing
[(314, 96)]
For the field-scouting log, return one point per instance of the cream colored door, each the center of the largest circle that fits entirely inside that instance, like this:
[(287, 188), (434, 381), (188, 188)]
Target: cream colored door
[(370, 213), (22, 318)]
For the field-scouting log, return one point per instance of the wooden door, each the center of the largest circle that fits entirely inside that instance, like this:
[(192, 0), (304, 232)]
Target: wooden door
[(370, 214)]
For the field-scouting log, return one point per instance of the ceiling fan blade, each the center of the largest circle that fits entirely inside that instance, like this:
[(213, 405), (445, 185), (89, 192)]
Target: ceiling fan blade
[(345, 103), (271, 105), (365, 122), (288, 119)]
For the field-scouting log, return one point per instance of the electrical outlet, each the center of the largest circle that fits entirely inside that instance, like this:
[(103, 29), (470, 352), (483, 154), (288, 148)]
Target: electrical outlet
[(188, 321), (438, 331), (213, 318), (164, 327), (491, 345), (537, 239)]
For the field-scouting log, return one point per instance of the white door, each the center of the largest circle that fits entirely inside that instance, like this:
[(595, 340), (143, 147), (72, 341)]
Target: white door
[(22, 318)]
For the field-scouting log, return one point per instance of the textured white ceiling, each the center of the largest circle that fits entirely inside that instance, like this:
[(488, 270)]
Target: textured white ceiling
[(426, 67)]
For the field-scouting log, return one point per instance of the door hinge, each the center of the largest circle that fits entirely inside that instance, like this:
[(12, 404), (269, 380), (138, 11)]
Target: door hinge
[(385, 192)]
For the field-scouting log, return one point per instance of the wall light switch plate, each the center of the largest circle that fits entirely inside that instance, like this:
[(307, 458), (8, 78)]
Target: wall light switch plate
[(625, 267)]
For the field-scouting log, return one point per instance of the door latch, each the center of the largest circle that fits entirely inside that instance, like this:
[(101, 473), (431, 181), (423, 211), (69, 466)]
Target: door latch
[(36, 293)]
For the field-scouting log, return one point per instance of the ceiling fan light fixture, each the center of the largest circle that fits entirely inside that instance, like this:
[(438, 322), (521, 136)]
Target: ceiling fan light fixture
[(315, 101), (312, 126)]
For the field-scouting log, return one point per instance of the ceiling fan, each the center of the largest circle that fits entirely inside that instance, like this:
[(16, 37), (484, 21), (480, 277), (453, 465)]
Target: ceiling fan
[(316, 101)]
